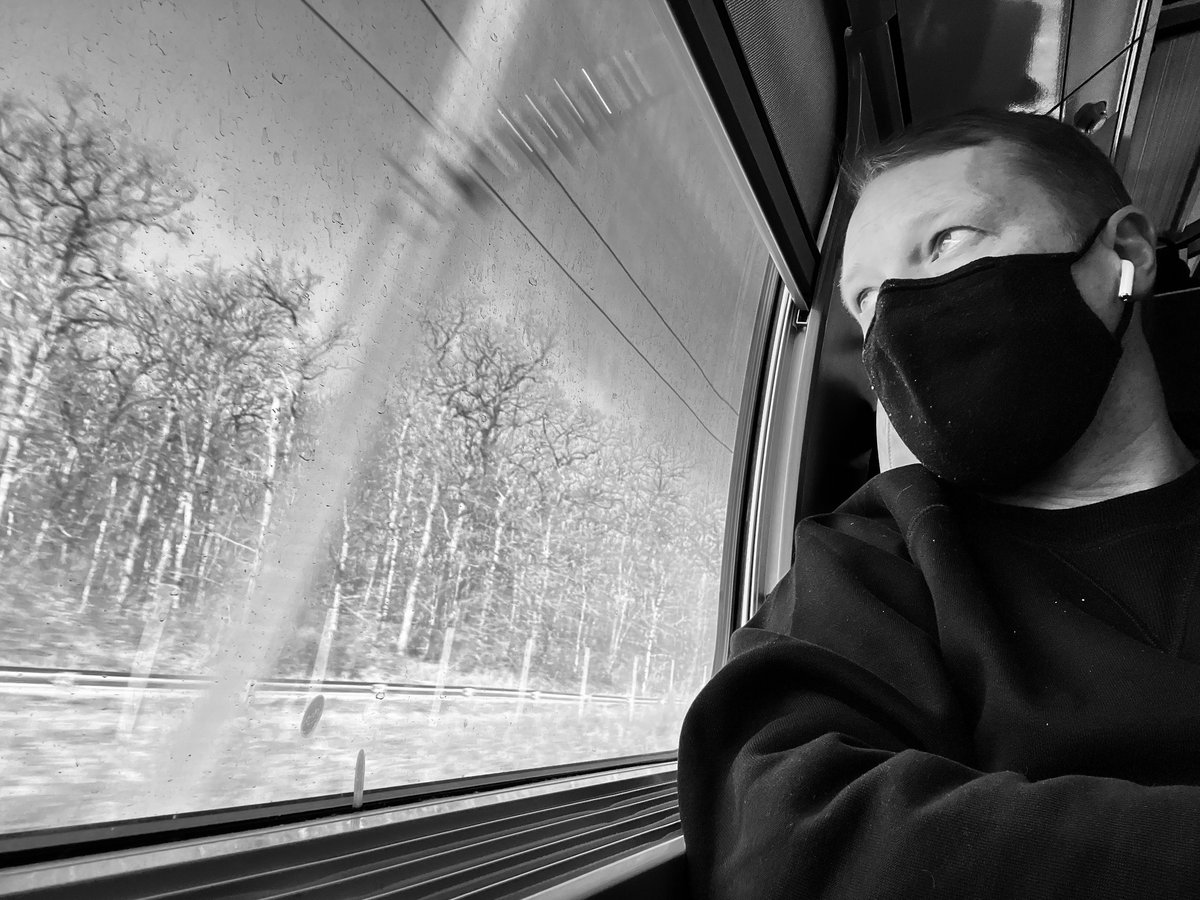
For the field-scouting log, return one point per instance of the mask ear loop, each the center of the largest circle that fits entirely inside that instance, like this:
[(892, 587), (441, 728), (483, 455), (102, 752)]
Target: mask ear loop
[(1125, 295)]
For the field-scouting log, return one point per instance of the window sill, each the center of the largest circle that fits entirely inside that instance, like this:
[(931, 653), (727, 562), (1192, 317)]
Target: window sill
[(563, 837)]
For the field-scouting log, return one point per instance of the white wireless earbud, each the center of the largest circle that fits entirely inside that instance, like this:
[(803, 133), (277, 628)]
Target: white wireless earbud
[(1125, 287)]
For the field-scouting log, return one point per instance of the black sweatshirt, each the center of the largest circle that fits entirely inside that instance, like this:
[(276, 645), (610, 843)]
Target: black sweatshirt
[(952, 698)]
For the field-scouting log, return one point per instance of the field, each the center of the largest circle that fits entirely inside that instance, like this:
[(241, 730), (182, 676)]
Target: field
[(64, 759)]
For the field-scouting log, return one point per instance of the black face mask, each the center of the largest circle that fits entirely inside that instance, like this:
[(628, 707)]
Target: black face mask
[(991, 372)]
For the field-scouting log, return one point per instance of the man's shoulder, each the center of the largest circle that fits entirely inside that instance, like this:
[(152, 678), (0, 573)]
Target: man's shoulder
[(880, 515), (854, 564)]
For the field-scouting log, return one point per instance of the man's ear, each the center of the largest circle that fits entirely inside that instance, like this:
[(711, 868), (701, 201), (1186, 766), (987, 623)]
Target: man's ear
[(1132, 236)]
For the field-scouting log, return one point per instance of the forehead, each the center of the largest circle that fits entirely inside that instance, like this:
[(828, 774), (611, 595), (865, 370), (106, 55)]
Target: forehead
[(915, 188), (898, 207)]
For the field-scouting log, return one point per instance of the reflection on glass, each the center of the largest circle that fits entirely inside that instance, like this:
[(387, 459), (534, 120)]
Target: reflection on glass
[(367, 390)]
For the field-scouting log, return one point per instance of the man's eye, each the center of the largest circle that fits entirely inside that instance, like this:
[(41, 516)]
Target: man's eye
[(947, 240)]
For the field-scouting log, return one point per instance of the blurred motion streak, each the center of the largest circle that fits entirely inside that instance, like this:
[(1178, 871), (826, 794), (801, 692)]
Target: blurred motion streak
[(292, 559)]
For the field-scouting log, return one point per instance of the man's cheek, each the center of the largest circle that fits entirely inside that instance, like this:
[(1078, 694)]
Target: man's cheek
[(866, 314), (1097, 284), (893, 452)]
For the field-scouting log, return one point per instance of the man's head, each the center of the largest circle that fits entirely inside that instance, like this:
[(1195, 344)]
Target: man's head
[(988, 183), (1073, 172), (1045, 207)]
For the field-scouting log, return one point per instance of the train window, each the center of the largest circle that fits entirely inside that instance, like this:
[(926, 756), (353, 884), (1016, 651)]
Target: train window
[(369, 383)]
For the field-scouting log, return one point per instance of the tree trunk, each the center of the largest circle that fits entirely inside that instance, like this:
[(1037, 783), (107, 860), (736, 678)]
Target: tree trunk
[(369, 591), (445, 603), (393, 539), (148, 491), (8, 478), (54, 509), (188, 499), (321, 663), (339, 572), (270, 462), (489, 580), (18, 404), (536, 602), (10, 387), (418, 567), (102, 530), (153, 627), (583, 606), (208, 551)]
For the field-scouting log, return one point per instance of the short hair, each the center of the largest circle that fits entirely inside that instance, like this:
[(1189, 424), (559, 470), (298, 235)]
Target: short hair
[(1070, 168)]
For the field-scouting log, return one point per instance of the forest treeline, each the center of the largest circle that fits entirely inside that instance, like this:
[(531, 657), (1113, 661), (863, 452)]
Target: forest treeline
[(154, 425)]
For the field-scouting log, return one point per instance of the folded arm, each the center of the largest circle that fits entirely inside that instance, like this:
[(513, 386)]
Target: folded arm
[(842, 768)]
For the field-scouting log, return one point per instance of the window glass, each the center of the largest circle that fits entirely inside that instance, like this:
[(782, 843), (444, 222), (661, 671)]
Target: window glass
[(369, 376)]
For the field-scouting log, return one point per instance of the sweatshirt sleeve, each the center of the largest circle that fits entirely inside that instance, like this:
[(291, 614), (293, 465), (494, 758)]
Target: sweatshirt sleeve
[(830, 758)]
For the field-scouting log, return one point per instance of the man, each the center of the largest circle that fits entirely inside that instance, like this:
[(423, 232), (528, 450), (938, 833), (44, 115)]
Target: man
[(980, 677)]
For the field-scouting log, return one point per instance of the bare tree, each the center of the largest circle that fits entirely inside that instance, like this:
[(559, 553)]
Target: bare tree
[(72, 197)]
